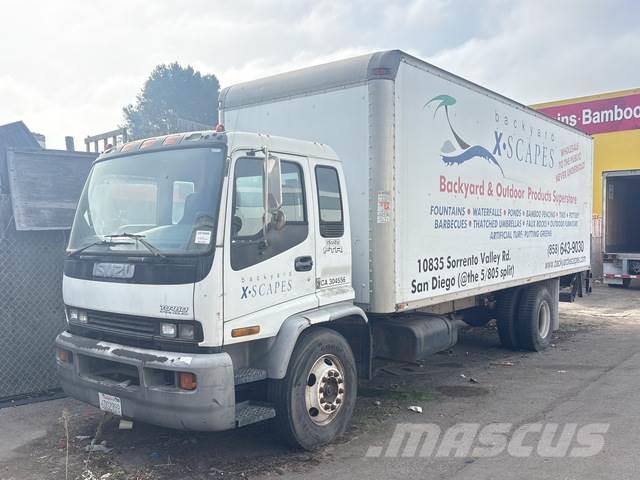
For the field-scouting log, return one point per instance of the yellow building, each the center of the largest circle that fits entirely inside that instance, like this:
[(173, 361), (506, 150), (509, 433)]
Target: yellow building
[(613, 119)]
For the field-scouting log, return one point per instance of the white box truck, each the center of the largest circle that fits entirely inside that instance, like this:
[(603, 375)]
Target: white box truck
[(621, 245), (215, 279)]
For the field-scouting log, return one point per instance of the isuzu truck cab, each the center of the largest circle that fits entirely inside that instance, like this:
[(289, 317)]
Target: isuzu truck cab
[(196, 261), (214, 279)]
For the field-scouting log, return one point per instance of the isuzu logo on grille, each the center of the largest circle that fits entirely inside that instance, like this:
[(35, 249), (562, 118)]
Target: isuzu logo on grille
[(114, 270), (174, 309)]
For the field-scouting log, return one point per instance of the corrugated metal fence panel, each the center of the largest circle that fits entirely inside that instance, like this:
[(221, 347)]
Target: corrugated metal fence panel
[(45, 186), (31, 309)]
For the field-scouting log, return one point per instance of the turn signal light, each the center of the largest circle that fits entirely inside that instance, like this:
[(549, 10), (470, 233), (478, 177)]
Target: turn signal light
[(187, 381), (149, 143), (381, 71), (244, 331), (64, 356), (172, 139), (129, 147)]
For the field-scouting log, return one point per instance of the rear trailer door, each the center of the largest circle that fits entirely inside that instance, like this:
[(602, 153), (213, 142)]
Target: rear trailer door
[(621, 200), (488, 194)]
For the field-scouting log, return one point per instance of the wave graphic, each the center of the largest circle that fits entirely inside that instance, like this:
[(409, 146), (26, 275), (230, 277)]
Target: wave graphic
[(475, 151)]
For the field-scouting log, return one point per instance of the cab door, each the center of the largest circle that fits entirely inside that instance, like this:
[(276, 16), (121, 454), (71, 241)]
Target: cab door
[(268, 276), (333, 238)]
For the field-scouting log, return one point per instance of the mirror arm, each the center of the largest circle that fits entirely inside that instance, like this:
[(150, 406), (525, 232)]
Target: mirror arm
[(265, 219), (272, 193)]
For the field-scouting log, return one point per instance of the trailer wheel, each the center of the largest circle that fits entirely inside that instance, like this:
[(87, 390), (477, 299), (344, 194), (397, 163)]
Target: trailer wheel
[(506, 316), (315, 400), (535, 318)]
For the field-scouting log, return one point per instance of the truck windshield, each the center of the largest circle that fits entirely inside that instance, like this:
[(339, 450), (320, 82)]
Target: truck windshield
[(170, 199)]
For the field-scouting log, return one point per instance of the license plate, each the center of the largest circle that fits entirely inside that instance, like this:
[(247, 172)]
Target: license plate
[(111, 404)]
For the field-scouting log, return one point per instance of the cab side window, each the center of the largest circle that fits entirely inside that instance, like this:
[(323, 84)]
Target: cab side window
[(329, 202), (249, 243)]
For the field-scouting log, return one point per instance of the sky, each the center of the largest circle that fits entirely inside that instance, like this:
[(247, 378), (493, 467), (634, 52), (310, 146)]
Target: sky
[(68, 67)]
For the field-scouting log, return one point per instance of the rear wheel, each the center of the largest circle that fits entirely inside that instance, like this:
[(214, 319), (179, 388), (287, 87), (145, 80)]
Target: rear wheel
[(315, 401), (535, 318), (506, 317)]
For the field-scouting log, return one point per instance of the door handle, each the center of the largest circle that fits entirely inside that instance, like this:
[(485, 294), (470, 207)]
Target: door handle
[(303, 264)]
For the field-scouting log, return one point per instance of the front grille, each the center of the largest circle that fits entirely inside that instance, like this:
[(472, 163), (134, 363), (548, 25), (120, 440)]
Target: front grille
[(135, 331), (123, 324)]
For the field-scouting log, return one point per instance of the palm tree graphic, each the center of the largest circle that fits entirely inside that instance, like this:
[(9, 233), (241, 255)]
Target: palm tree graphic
[(469, 152), (446, 101)]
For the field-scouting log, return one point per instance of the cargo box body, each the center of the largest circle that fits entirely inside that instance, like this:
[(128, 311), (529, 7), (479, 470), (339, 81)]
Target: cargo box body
[(454, 191)]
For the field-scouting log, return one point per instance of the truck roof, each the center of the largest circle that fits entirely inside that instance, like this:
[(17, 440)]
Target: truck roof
[(233, 140), (343, 74), (281, 144)]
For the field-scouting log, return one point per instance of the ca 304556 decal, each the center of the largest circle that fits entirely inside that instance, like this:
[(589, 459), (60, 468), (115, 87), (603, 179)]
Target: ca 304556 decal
[(331, 281)]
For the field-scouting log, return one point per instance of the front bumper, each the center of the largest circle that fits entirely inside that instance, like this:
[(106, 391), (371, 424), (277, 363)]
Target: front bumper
[(210, 407)]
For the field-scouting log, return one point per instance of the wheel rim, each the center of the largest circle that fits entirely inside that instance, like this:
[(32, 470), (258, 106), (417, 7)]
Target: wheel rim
[(544, 320), (325, 390)]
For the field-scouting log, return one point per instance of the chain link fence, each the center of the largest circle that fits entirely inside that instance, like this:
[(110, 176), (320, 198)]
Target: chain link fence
[(31, 309)]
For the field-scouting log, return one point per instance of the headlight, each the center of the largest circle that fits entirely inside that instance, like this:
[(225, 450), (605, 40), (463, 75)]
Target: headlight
[(78, 316), (168, 330), (187, 331)]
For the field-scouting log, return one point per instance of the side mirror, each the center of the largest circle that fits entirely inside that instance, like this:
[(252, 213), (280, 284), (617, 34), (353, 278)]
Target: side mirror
[(273, 215), (273, 182)]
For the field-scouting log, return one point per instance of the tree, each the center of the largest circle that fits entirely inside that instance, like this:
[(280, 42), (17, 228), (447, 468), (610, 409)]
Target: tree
[(173, 99)]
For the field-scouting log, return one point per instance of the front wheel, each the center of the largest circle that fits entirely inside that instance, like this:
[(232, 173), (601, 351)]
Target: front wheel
[(315, 400)]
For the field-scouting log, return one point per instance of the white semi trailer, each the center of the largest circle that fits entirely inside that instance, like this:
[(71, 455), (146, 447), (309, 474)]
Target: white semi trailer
[(215, 279)]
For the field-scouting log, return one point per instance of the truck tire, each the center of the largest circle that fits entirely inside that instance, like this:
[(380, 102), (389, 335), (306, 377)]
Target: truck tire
[(315, 401), (535, 318), (506, 317)]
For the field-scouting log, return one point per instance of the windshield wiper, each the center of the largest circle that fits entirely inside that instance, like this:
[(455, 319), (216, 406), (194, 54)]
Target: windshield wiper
[(139, 238), (96, 243)]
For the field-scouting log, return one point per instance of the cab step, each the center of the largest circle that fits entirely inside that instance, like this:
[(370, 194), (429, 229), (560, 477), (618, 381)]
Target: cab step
[(248, 375), (249, 412)]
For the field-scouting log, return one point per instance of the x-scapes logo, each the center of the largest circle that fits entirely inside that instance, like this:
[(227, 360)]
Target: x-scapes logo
[(266, 285), (462, 151)]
